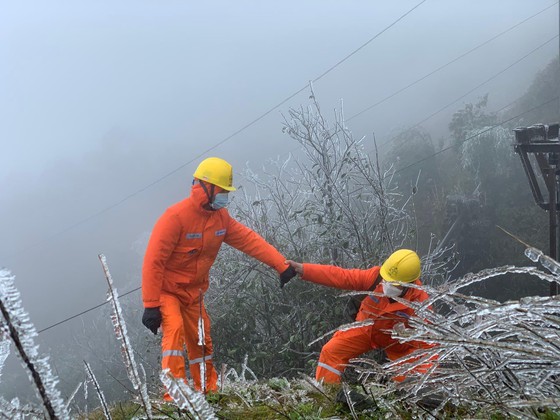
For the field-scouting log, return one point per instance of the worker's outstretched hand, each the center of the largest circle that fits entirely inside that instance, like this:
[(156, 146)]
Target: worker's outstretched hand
[(152, 319), (288, 274), (296, 266)]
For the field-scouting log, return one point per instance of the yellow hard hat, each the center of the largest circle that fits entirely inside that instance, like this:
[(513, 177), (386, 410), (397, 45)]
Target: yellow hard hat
[(216, 171), (402, 266)]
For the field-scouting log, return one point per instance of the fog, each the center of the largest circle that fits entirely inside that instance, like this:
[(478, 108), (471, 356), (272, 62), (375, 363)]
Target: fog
[(108, 107)]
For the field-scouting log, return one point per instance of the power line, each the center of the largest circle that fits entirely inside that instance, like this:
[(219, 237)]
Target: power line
[(400, 170), (254, 121), (454, 60), (84, 312), (471, 90), (447, 64), (196, 158), (366, 43), (299, 91)]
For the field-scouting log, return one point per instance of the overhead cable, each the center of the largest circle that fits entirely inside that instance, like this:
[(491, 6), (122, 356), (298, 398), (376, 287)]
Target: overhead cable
[(447, 64), (471, 90), (400, 170), (197, 157)]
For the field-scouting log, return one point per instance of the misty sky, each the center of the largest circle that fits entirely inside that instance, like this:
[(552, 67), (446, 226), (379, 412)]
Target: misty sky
[(101, 99)]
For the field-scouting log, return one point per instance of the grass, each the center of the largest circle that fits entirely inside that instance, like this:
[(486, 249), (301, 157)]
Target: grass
[(301, 399)]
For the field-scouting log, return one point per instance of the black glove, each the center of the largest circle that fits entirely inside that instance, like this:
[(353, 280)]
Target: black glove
[(288, 274), (152, 319)]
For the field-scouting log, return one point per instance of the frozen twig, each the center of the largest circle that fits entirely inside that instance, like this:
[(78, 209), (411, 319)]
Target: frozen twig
[(21, 331), (186, 398), (127, 352), (100, 395)]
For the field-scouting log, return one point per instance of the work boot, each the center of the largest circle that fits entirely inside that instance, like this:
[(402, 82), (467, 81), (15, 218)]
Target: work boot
[(359, 401)]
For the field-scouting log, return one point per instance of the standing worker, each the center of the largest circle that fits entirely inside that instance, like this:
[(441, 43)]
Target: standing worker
[(182, 248), (391, 279)]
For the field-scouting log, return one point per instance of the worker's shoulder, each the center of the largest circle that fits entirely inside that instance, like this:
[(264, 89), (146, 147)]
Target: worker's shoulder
[(178, 208), (419, 295)]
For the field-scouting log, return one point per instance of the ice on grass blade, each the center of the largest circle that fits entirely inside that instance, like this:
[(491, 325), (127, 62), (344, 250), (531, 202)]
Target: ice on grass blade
[(144, 388), (122, 335), (100, 395), (72, 397), (350, 404), (186, 398), (21, 331), (86, 396)]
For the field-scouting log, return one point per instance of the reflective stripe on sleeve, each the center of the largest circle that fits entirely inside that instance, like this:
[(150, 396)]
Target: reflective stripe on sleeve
[(333, 370), (168, 353), (199, 360)]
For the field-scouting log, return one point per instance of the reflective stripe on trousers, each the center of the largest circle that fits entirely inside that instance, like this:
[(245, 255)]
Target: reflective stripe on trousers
[(180, 328), (333, 370), (200, 359), (168, 353)]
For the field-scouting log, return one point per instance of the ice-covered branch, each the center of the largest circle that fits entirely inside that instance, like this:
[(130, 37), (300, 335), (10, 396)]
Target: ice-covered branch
[(486, 353), (201, 343), (100, 395), (71, 398), (21, 331), (186, 398), (127, 352), (13, 410)]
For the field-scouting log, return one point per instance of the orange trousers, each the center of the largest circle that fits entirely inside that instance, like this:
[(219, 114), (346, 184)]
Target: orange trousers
[(346, 345), (180, 328)]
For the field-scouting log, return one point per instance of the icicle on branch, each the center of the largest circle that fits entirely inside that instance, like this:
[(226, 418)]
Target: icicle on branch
[(345, 327), (100, 395), (86, 396), (245, 368), (72, 397), (121, 333), (186, 398), (13, 410), (21, 331), (201, 342), (536, 255)]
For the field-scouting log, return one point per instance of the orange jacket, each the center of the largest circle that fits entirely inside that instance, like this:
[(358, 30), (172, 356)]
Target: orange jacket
[(384, 311), (184, 244)]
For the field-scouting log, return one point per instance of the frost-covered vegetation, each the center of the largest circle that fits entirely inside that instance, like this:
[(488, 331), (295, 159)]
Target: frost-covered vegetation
[(341, 201), (493, 357)]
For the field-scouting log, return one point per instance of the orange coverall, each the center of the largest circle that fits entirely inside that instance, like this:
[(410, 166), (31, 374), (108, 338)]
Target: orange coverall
[(345, 345), (182, 248)]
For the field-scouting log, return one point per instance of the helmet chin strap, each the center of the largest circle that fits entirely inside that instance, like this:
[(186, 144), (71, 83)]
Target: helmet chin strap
[(210, 194)]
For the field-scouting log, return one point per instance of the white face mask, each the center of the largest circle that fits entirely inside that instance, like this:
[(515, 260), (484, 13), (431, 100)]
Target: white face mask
[(220, 201), (391, 291)]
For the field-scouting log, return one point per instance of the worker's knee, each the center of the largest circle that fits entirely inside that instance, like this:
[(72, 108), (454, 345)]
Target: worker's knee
[(331, 354)]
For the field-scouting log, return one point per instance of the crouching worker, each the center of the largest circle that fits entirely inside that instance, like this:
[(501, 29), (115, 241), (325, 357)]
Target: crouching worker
[(182, 248), (391, 279)]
